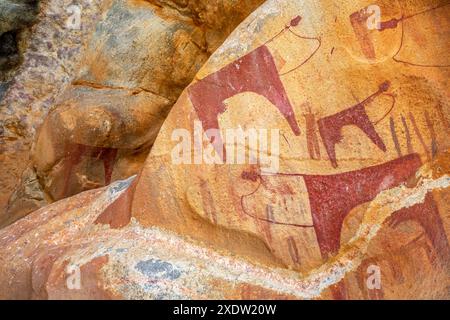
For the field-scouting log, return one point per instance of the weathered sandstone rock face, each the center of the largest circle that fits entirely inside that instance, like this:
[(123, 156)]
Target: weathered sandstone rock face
[(50, 60), (347, 198), (15, 17), (134, 63)]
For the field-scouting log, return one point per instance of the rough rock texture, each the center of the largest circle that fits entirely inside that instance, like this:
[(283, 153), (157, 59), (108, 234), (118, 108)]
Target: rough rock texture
[(16, 16), (362, 182), (50, 60), (117, 258), (137, 59)]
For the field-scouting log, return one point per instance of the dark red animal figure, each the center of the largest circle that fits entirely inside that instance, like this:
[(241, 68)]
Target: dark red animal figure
[(332, 197), (77, 151), (330, 127), (255, 72)]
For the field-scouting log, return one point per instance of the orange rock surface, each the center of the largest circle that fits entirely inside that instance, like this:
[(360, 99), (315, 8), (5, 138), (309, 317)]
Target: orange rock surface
[(126, 74), (347, 198)]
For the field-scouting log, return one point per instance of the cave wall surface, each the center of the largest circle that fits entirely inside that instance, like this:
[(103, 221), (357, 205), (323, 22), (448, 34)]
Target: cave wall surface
[(346, 199)]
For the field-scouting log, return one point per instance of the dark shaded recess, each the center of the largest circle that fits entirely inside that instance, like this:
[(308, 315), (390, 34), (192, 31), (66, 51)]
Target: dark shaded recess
[(9, 52), (3, 87), (16, 16)]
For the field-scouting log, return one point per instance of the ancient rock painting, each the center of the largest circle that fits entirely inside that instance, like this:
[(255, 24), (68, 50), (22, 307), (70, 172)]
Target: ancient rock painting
[(255, 72), (311, 136), (359, 19), (77, 151), (434, 146), (331, 126), (430, 152), (360, 183), (418, 134), (332, 197), (394, 136), (408, 135), (391, 259)]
